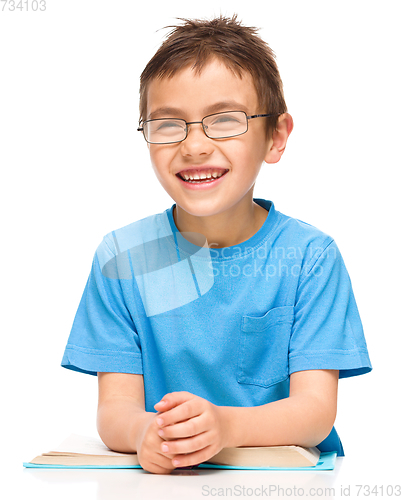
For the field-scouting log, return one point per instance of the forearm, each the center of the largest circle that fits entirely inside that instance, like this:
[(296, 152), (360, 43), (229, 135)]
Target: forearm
[(119, 422), (298, 420)]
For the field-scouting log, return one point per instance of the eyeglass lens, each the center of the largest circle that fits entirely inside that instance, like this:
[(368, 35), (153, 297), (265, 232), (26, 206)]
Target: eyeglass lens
[(217, 126)]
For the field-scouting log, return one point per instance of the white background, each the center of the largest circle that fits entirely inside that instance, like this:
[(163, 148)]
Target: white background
[(74, 168)]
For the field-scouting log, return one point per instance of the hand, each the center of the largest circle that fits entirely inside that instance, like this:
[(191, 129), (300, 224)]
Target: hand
[(148, 446), (194, 427)]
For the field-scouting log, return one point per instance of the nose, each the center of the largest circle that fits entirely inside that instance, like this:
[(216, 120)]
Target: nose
[(196, 143)]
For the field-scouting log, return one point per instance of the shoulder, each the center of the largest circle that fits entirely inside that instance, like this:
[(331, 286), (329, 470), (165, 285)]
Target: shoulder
[(132, 235), (300, 240), (300, 232), (286, 230)]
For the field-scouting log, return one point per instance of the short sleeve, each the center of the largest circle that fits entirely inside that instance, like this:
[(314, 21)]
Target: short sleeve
[(327, 332), (103, 337)]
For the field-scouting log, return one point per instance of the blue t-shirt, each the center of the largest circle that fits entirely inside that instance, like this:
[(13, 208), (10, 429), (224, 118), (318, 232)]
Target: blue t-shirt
[(227, 324)]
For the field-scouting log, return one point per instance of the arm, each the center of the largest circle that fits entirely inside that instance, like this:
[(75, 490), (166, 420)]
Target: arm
[(124, 425), (305, 418), (121, 410)]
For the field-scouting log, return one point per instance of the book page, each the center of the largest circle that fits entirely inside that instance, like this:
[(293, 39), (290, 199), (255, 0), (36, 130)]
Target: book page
[(85, 446)]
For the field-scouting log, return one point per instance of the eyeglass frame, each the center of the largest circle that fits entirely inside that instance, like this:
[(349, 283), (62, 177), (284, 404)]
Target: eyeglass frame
[(141, 129)]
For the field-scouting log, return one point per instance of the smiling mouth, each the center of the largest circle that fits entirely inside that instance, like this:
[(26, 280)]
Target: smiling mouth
[(201, 178)]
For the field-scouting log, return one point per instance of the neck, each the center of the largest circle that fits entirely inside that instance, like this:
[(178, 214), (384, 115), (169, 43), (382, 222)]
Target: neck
[(225, 229)]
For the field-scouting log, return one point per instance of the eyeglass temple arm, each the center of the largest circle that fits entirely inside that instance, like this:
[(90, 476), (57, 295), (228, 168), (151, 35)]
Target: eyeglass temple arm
[(262, 116)]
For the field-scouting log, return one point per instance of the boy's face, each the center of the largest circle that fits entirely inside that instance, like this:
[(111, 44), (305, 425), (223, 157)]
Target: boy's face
[(192, 97)]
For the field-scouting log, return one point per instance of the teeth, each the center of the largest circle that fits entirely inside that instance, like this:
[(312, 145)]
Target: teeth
[(214, 175)]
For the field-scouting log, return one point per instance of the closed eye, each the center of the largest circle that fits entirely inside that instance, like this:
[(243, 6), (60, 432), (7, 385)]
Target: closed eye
[(225, 119), (168, 125)]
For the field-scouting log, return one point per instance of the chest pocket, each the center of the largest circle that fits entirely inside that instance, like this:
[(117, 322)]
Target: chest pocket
[(263, 350)]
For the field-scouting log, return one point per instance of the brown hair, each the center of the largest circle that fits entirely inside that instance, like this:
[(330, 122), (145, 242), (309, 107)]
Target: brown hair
[(239, 47)]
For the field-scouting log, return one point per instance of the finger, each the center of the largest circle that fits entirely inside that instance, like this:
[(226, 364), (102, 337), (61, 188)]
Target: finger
[(173, 399), (189, 409), (188, 428), (156, 468), (151, 461), (187, 445), (169, 456), (194, 458)]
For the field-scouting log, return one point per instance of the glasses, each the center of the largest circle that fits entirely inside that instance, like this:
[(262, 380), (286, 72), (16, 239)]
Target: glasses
[(217, 126)]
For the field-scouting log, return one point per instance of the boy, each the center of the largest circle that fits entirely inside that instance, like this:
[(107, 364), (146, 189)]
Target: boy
[(219, 322)]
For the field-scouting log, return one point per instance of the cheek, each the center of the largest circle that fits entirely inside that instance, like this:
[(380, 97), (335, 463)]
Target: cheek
[(157, 161), (153, 153), (244, 154), (161, 157)]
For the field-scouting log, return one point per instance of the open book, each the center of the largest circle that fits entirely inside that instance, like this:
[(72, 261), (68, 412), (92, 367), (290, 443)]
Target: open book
[(79, 451)]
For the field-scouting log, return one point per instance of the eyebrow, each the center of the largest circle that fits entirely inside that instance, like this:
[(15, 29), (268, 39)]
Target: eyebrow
[(169, 112)]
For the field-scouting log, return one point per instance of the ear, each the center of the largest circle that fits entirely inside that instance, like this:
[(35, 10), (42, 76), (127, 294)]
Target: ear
[(277, 144)]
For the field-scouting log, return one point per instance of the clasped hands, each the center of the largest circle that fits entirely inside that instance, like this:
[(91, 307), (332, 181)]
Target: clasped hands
[(187, 430)]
